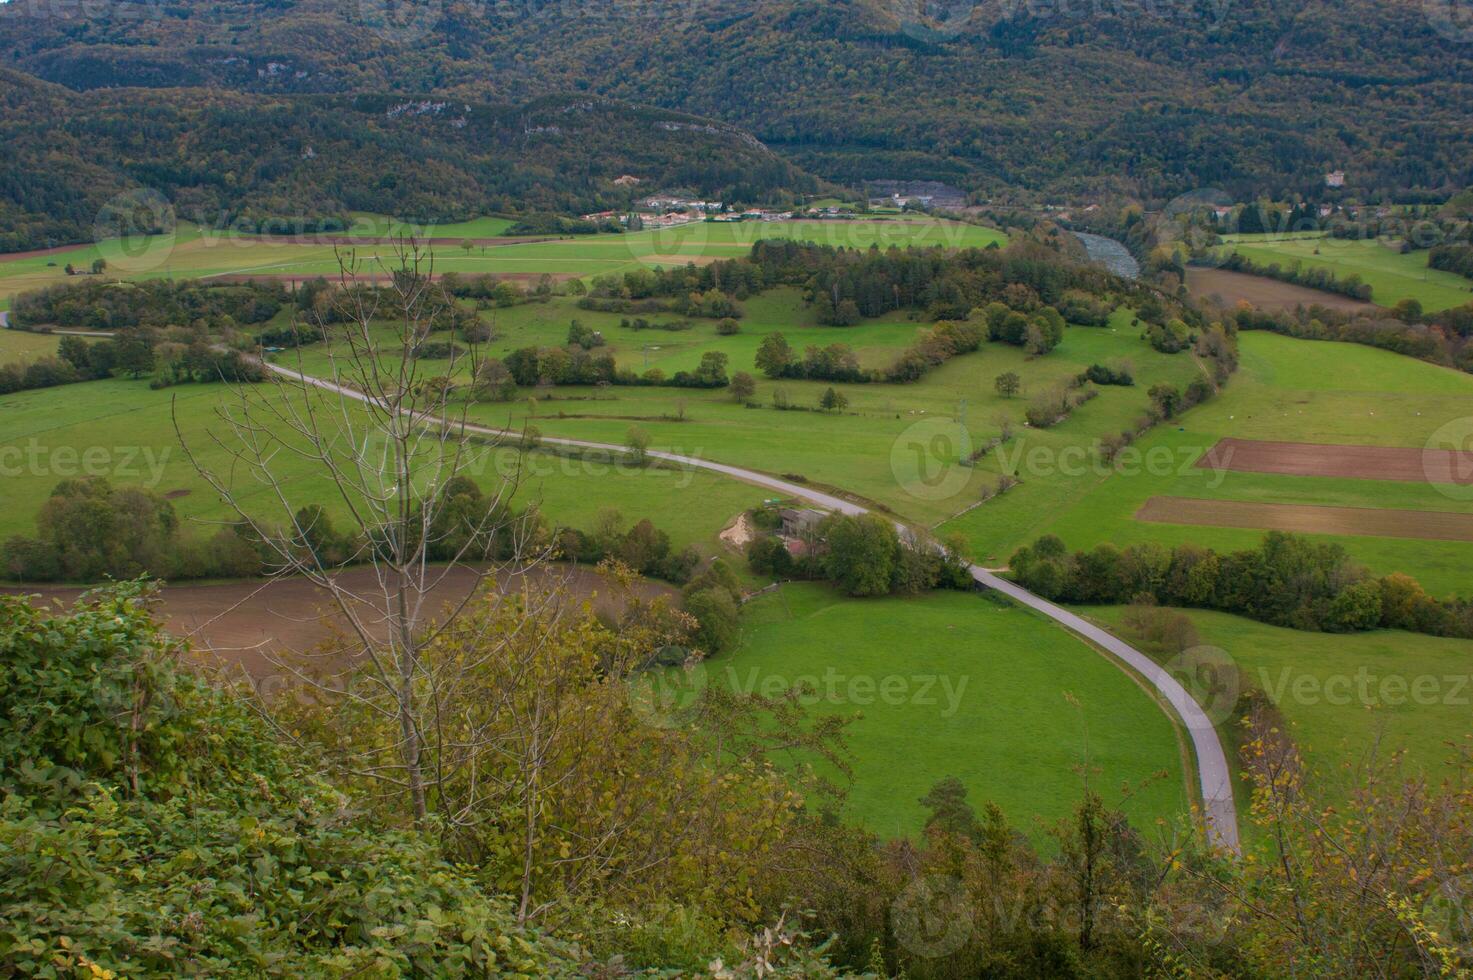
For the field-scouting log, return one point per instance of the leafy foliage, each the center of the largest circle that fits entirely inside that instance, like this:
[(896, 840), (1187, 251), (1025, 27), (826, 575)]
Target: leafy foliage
[(1146, 100), (152, 825)]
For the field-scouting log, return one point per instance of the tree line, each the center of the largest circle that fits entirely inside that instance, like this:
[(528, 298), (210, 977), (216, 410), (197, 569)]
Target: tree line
[(1286, 581)]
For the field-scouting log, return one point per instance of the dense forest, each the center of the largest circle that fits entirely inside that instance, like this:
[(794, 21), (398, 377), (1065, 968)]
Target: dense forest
[(1255, 96), (302, 162)]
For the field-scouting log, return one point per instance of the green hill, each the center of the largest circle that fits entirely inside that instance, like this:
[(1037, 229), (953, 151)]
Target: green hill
[(1255, 96), (288, 161)]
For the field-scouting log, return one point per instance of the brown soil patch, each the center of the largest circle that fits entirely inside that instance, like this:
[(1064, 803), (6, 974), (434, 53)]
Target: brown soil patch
[(248, 623), (37, 252), (1264, 293), (683, 259), (740, 534), (1305, 519), (1357, 462)]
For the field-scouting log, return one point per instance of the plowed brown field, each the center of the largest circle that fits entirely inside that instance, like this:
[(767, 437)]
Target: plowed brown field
[(1356, 462)]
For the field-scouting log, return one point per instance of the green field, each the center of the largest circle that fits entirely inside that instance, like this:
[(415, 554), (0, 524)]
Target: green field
[(1288, 390), (868, 449), (195, 253), (1391, 275), (18, 345), (1001, 720), (45, 437), (1349, 698)]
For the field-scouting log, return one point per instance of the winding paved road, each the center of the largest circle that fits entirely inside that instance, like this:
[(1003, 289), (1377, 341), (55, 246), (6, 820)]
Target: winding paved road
[(1212, 766)]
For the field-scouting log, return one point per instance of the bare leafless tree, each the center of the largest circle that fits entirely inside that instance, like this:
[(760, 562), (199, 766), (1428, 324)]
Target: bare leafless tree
[(390, 444)]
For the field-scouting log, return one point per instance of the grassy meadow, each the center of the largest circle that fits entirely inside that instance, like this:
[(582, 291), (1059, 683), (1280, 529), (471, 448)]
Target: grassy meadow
[(129, 432), (998, 714), (1351, 699), (1288, 390), (1391, 275), (192, 252), (869, 448)]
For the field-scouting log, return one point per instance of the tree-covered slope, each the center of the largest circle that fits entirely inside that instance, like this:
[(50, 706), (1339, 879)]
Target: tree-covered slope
[(1251, 95), (223, 157)]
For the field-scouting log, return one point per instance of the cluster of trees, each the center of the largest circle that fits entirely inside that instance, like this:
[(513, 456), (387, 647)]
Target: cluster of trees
[(1103, 374), (653, 291), (1452, 258), (135, 354), (1039, 333), (1048, 408), (864, 555), (1447, 340), (89, 529), (106, 304), (776, 358), (493, 289), (1314, 277), (1287, 581), (528, 367), (641, 547)]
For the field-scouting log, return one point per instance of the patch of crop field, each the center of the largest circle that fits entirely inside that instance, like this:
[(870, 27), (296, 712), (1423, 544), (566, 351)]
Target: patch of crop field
[(124, 431), (1358, 462), (1308, 519), (1286, 390), (1349, 697), (985, 697), (194, 253), (254, 624), (1391, 275), (1265, 293)]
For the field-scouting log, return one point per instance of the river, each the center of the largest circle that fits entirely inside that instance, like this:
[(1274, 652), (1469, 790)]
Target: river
[(1110, 253)]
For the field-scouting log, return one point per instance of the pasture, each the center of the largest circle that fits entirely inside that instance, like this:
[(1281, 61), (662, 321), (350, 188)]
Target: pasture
[(870, 448), (985, 697), (124, 431), (1286, 390), (1349, 698), (192, 252), (1391, 275)]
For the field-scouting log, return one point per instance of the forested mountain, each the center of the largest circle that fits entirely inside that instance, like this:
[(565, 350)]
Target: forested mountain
[(278, 160), (1055, 97)]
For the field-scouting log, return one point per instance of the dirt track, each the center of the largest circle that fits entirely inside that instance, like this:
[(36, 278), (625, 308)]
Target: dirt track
[(1264, 293), (1305, 519), (246, 622), (1355, 462)]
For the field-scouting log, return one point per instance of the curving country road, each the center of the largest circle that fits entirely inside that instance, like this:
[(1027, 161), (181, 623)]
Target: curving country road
[(1212, 766)]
